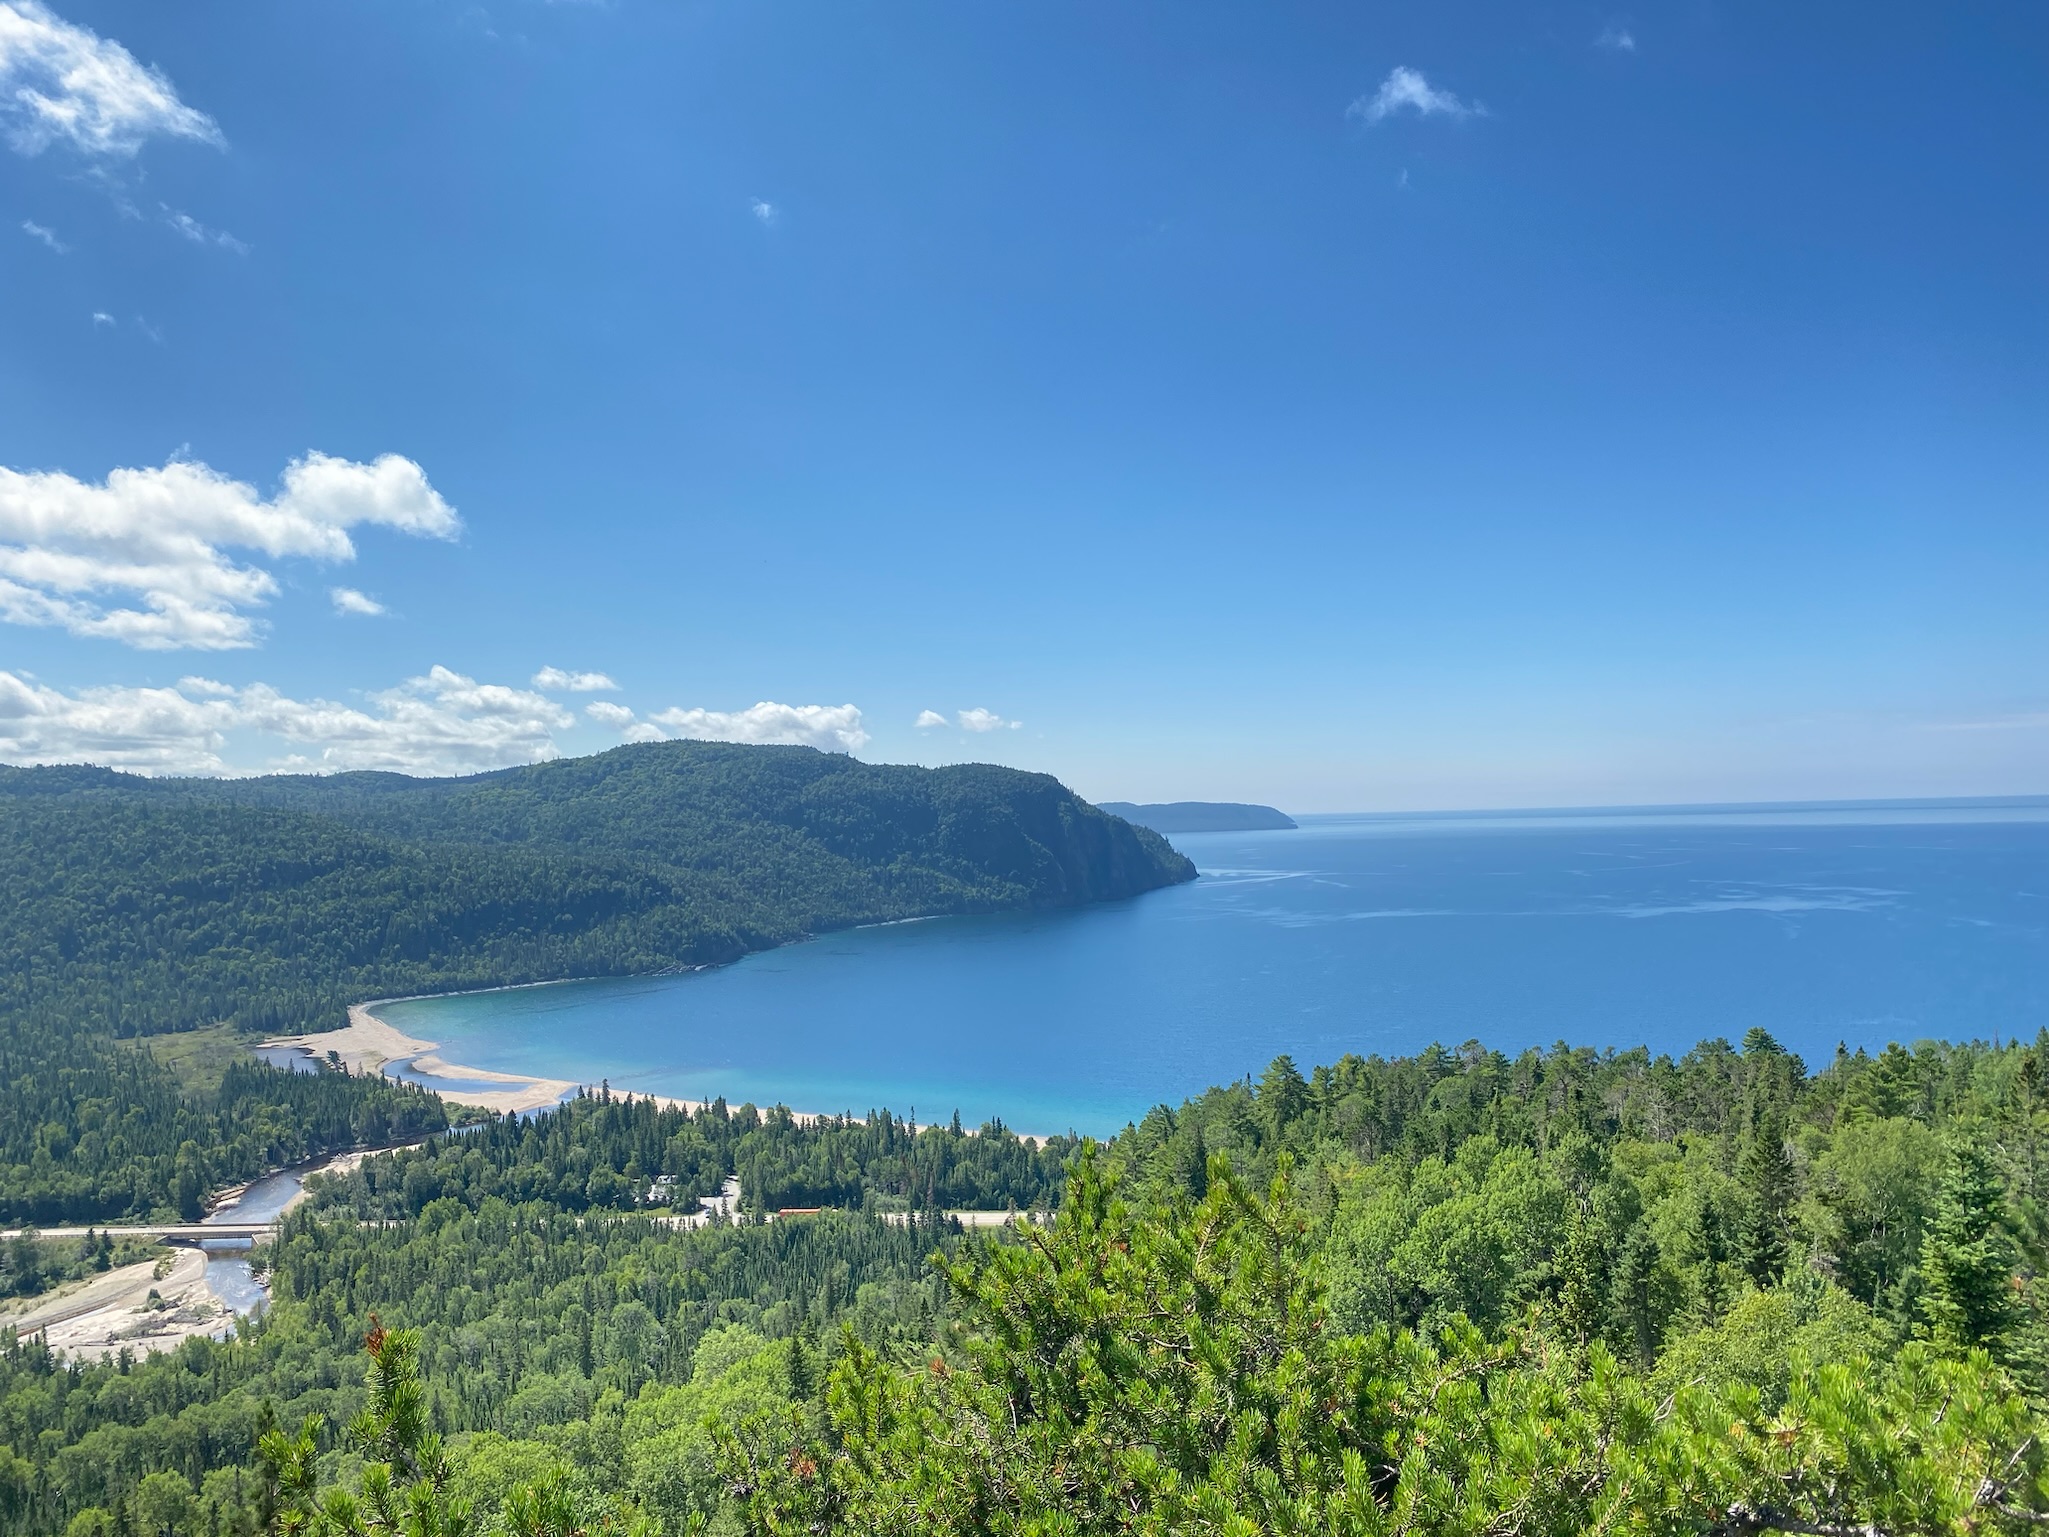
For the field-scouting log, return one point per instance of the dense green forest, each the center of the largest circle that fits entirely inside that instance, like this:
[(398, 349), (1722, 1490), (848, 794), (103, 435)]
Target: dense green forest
[(93, 1129), (1565, 1292), (598, 1151), (131, 906)]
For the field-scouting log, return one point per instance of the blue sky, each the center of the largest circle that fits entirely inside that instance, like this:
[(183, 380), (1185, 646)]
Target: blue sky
[(1344, 407)]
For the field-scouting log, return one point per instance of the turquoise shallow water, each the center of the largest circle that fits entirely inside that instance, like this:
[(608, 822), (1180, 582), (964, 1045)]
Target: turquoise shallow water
[(1363, 934)]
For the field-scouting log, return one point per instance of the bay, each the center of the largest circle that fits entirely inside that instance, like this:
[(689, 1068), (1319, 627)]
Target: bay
[(1371, 934)]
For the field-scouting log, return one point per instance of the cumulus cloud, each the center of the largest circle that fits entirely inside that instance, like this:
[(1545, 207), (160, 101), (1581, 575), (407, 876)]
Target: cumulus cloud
[(347, 600), (441, 723), (159, 730), (1616, 40), (1405, 87), (555, 680), (766, 212), (61, 83), (929, 720), (607, 713), (199, 234), (102, 318), (833, 727), (986, 720), (44, 233), (69, 550)]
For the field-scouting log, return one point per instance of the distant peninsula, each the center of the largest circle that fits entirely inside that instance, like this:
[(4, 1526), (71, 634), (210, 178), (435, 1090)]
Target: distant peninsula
[(1200, 816)]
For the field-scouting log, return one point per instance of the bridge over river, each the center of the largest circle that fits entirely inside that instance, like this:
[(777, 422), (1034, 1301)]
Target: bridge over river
[(164, 1232)]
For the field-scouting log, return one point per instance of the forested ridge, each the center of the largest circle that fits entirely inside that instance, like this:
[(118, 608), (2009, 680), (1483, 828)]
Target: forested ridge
[(132, 905), (1566, 1292)]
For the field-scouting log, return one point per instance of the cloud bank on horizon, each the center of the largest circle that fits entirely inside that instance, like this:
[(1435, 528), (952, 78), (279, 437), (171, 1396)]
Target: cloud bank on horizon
[(441, 722)]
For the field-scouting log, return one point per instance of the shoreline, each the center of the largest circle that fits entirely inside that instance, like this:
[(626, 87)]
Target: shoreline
[(367, 1044)]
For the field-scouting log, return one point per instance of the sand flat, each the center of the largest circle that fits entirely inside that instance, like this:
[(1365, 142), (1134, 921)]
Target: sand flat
[(113, 1312), (367, 1043)]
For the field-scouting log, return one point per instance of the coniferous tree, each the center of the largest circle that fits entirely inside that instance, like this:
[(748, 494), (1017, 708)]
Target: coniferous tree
[(1966, 1261), (1767, 1177), (1637, 1315), (1283, 1096), (1714, 1250), (1582, 1275)]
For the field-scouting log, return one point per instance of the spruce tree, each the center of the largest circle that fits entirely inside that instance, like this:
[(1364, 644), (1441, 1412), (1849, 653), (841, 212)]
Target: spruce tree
[(1714, 1250), (1582, 1270), (1966, 1260), (1767, 1176), (1638, 1318)]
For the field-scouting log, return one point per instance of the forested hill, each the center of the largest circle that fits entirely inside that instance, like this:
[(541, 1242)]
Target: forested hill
[(137, 905)]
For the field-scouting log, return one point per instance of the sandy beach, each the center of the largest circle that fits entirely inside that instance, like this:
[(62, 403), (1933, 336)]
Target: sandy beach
[(367, 1043)]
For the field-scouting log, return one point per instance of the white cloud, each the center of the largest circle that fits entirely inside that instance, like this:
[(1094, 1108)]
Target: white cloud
[(44, 233), (929, 720), (160, 536), (767, 213), (64, 83), (1616, 40), (986, 720), (347, 600), (835, 728), (151, 729), (102, 318), (556, 680), (443, 723), (199, 234), (610, 714), (1405, 87)]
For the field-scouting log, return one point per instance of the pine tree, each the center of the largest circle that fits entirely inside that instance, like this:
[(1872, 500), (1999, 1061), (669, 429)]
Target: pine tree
[(1283, 1096), (1966, 1260)]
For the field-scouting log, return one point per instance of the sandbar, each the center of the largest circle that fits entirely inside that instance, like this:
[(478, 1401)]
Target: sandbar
[(367, 1043)]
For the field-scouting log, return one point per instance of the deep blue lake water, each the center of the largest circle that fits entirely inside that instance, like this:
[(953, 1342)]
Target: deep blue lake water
[(1360, 934)]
